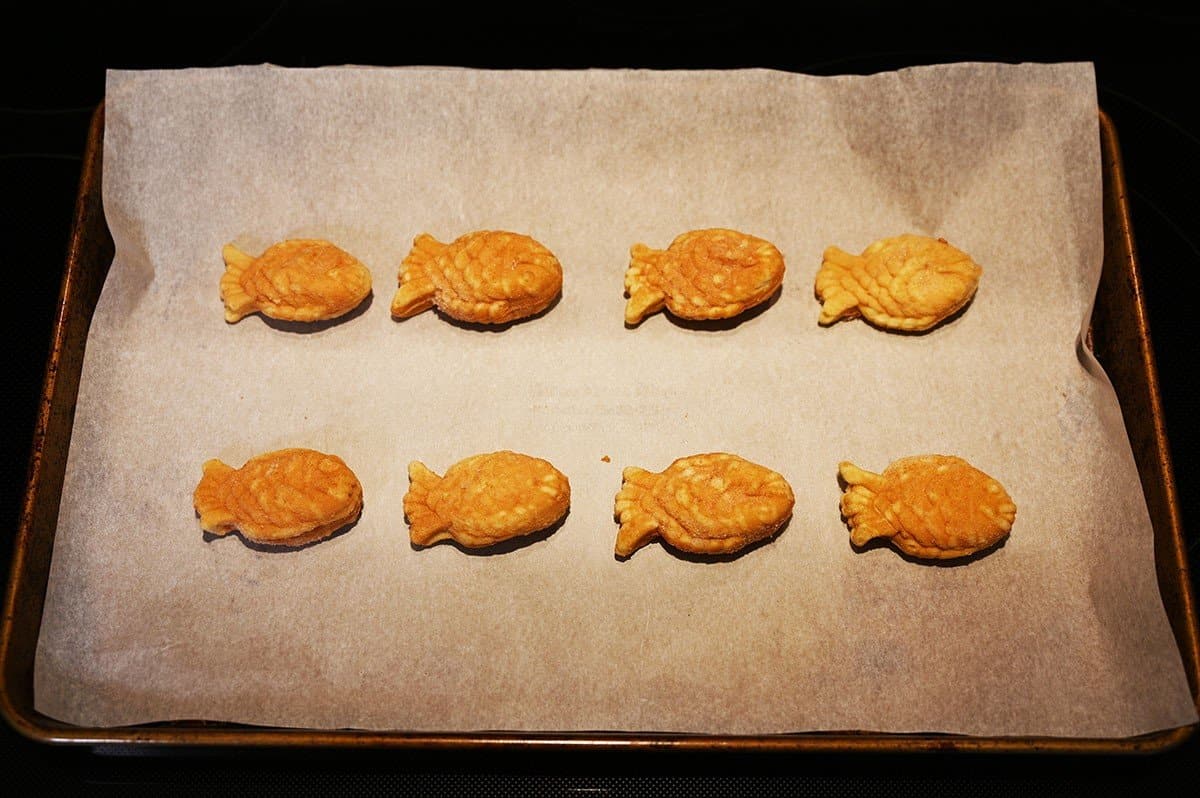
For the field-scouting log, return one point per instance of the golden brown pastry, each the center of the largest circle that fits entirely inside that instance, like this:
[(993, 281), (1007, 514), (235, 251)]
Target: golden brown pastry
[(285, 498), (704, 274), (934, 506), (908, 282), (707, 504), (486, 277), (484, 499), (297, 280)]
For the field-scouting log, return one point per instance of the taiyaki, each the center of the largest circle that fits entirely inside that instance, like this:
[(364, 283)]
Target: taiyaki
[(486, 277), (296, 280), (284, 498), (934, 506), (908, 282), (706, 504), (484, 499), (704, 274)]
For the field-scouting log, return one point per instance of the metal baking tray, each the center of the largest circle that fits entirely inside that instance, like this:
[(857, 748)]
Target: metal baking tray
[(1119, 336)]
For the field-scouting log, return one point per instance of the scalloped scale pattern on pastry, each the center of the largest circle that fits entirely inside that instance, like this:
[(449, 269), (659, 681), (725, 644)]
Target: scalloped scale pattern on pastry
[(908, 282), (932, 506), (703, 274), (485, 277), (297, 280), (484, 499), (706, 504), (288, 497)]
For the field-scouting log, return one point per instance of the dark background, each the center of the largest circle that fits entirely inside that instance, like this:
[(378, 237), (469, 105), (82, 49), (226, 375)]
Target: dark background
[(53, 63)]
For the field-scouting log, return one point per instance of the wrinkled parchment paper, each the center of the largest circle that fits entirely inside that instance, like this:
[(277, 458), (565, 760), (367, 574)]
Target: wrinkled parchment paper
[(1059, 632)]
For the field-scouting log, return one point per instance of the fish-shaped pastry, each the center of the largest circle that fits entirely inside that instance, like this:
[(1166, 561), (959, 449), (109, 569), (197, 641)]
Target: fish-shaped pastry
[(485, 277), (908, 283), (297, 280), (703, 274), (484, 499), (706, 504), (288, 497), (931, 506)]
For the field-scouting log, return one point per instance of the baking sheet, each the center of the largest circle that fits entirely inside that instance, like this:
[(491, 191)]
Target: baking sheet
[(1061, 631)]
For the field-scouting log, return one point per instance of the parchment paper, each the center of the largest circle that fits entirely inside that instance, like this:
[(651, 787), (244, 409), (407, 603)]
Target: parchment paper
[(1059, 632)]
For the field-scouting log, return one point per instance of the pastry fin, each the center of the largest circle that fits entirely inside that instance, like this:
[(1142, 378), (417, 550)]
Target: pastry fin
[(837, 302), (425, 526), (858, 506), (644, 297), (638, 526), (215, 517), (238, 304), (416, 291), (853, 475), (866, 522)]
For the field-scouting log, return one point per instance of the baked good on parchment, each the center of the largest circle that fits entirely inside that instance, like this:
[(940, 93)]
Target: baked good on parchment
[(484, 277), (296, 280), (484, 499), (288, 497), (703, 274), (932, 506), (908, 282), (713, 503)]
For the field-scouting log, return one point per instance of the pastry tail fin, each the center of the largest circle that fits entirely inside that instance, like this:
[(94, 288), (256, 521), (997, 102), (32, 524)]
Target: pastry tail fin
[(644, 297), (837, 300), (638, 526), (238, 303), (853, 475), (416, 291), (858, 505), (425, 527), (209, 499)]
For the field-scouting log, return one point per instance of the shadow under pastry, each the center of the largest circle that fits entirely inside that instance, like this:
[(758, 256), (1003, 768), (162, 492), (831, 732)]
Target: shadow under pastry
[(712, 559), (283, 547), (953, 562), (715, 325), (476, 326), (500, 547), (307, 327), (953, 317)]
